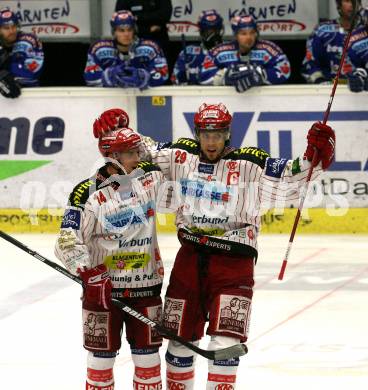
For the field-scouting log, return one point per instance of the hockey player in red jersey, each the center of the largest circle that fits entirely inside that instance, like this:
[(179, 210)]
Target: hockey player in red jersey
[(108, 238), (218, 195)]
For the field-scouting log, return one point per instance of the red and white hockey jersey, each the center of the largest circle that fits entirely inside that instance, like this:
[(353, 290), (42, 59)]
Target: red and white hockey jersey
[(220, 204), (111, 220)]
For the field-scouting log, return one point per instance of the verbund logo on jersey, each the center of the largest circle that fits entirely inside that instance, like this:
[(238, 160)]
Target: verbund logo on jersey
[(19, 139)]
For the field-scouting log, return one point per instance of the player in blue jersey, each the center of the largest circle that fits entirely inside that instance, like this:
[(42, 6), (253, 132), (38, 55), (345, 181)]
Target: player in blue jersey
[(246, 61), (358, 54), (21, 56), (325, 47), (125, 61), (190, 59)]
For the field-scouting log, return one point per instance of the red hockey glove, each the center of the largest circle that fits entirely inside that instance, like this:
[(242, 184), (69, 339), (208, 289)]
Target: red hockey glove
[(322, 138), (97, 287), (110, 120)]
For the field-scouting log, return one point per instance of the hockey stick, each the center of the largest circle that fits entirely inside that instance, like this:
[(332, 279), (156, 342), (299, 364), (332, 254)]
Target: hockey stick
[(315, 155), (221, 354), (186, 62)]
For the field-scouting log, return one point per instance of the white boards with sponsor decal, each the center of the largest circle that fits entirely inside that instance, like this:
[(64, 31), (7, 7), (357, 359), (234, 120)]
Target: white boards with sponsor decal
[(56, 19), (47, 146), (67, 19), (274, 17)]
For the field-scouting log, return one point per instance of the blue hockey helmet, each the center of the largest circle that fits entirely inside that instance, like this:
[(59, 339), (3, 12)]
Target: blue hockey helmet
[(210, 19), (122, 18), (8, 17), (242, 23), (211, 28)]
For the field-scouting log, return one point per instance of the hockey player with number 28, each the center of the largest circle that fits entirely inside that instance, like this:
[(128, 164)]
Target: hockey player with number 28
[(219, 193), (108, 238)]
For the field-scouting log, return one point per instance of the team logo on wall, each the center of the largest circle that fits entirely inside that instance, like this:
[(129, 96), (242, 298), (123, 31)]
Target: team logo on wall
[(234, 314), (173, 314), (96, 329)]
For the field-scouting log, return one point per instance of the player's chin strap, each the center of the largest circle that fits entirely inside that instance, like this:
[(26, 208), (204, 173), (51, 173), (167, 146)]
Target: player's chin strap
[(121, 178), (116, 164), (221, 354)]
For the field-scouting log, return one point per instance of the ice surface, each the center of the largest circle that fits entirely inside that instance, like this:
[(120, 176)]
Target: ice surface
[(307, 332)]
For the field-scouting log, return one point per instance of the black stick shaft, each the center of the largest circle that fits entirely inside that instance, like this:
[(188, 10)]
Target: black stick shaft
[(226, 353), (186, 60)]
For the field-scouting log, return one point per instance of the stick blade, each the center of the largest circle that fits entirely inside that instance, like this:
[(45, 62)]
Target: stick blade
[(230, 352)]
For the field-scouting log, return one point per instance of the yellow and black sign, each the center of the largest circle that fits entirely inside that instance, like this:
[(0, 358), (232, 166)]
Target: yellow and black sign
[(313, 221), (158, 101)]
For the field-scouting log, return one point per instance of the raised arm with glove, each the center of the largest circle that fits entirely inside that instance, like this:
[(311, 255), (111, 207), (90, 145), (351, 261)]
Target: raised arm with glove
[(322, 138), (110, 120)]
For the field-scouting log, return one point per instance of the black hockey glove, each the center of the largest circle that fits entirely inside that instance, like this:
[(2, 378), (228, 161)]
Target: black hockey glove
[(244, 76), (358, 80), (8, 86)]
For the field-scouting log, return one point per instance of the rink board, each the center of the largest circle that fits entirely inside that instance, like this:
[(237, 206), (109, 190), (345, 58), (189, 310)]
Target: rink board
[(45, 153), (351, 221)]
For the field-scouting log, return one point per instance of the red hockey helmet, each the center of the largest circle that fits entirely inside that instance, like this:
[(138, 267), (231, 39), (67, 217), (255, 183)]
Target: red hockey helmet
[(121, 140), (212, 117), (109, 120)]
